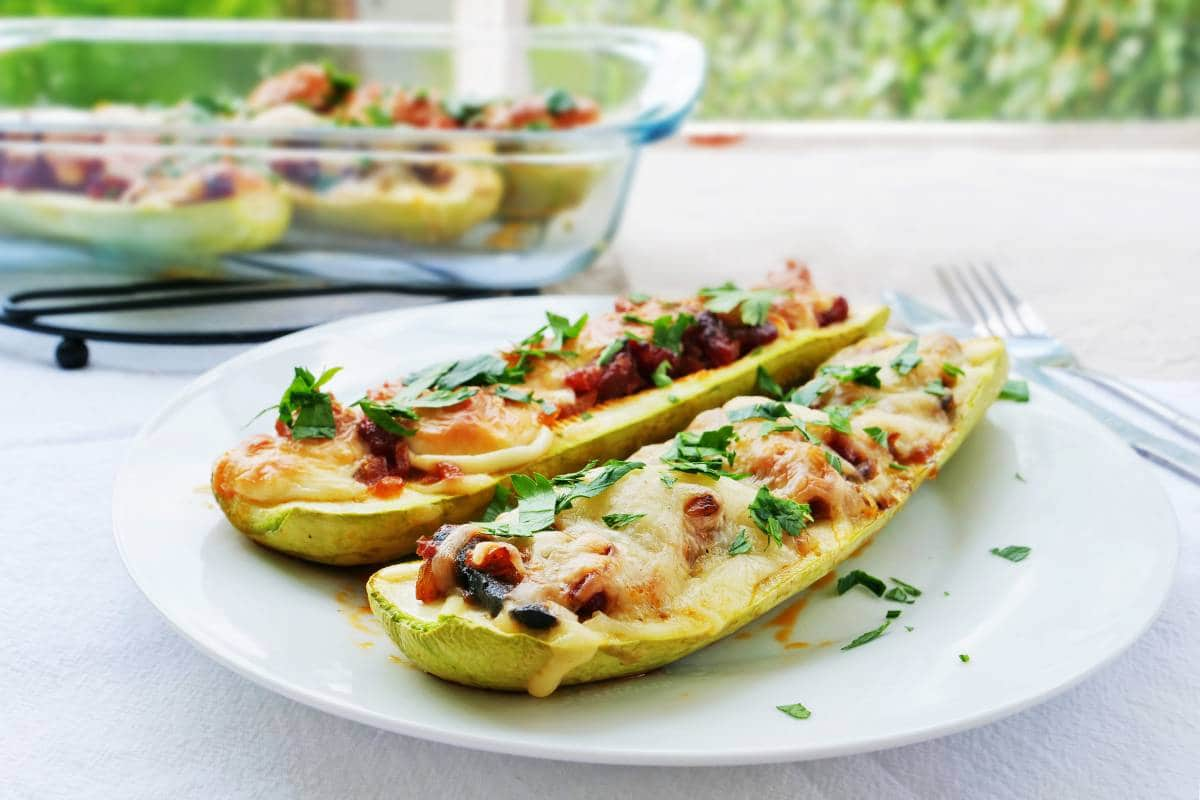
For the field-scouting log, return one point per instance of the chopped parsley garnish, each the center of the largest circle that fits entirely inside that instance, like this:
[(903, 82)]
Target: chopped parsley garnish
[(936, 388), (765, 384), (305, 409), (516, 395), (498, 505), (963, 657), (585, 416), (539, 499), (874, 634), (952, 370), (898, 595), (909, 628), (909, 589), (667, 479), (559, 102), (1020, 477), (612, 471), (862, 374), (859, 578), (634, 318), (776, 516), (839, 418), (878, 434), (810, 393), (740, 544), (638, 297), (896, 466), (214, 106), (755, 303), (668, 331), (1015, 390), (759, 410), (1014, 552), (907, 360), (441, 398), (795, 710), (564, 329), (660, 376), (704, 453), (342, 82), (482, 370), (618, 521), (834, 460), (672, 399), (377, 117), (388, 415), (612, 348)]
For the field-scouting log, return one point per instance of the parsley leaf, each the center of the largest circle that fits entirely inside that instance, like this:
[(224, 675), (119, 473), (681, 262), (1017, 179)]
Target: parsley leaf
[(612, 348), (668, 331), (755, 303), (810, 393), (796, 710), (638, 297), (839, 418), (963, 657), (704, 453), (936, 388), (896, 466), (618, 521), (535, 508), (907, 587), (564, 329), (1015, 390), (498, 505), (834, 460), (570, 478), (874, 634), (1014, 552), (908, 359), (517, 396), (634, 318), (559, 102), (480, 370), (388, 415), (740, 544), (442, 398), (776, 516), (612, 471), (862, 374), (305, 409), (764, 383), (667, 479), (759, 410), (878, 434), (898, 595), (660, 376), (1020, 477), (952, 370), (859, 578)]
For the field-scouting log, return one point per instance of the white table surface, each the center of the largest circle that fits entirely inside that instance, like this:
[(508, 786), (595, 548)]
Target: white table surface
[(100, 698)]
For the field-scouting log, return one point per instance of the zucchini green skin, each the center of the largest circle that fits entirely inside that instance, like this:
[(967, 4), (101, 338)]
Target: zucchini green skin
[(374, 531), (247, 221), (461, 649), (412, 211), (534, 192)]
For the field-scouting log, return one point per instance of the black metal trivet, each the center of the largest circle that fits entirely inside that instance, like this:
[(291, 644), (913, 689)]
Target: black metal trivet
[(25, 310)]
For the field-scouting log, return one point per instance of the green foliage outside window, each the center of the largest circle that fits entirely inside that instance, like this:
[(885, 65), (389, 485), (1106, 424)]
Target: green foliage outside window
[(930, 59)]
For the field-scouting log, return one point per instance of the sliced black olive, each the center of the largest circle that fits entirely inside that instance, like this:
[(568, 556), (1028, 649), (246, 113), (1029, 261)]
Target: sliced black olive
[(534, 616)]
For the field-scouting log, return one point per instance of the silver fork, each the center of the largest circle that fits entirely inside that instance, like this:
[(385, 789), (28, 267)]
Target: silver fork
[(982, 299)]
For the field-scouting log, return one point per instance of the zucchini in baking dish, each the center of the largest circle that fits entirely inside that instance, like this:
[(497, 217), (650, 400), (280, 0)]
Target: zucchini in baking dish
[(361, 483), (631, 565), (207, 209)]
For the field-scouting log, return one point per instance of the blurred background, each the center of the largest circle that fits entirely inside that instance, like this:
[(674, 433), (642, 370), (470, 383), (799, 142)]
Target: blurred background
[(839, 59)]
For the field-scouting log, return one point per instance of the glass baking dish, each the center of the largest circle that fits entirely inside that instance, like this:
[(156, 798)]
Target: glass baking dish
[(82, 100)]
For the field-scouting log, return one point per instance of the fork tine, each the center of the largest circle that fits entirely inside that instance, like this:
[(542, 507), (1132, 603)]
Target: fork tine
[(960, 307), (1005, 315), (955, 282), (1024, 312)]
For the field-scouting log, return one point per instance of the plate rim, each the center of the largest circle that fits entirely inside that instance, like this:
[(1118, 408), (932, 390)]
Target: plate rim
[(213, 648)]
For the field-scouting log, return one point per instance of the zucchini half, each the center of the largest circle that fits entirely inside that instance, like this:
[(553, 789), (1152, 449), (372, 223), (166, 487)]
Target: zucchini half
[(377, 530), (405, 209), (464, 644), (246, 221), (535, 192)]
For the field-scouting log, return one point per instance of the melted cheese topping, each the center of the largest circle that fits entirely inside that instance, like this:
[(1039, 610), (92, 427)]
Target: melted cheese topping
[(493, 460)]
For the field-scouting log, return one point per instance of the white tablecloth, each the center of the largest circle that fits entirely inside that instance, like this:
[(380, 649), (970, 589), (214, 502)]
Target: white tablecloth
[(100, 698)]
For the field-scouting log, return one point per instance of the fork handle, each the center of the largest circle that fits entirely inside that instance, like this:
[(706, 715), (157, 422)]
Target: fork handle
[(1187, 425), (1178, 459)]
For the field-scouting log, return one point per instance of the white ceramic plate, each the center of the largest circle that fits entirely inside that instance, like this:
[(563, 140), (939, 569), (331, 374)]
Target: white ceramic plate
[(1103, 536)]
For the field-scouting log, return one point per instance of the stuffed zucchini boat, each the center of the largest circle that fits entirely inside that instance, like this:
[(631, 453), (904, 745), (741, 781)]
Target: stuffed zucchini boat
[(632, 565), (204, 209), (361, 483)]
